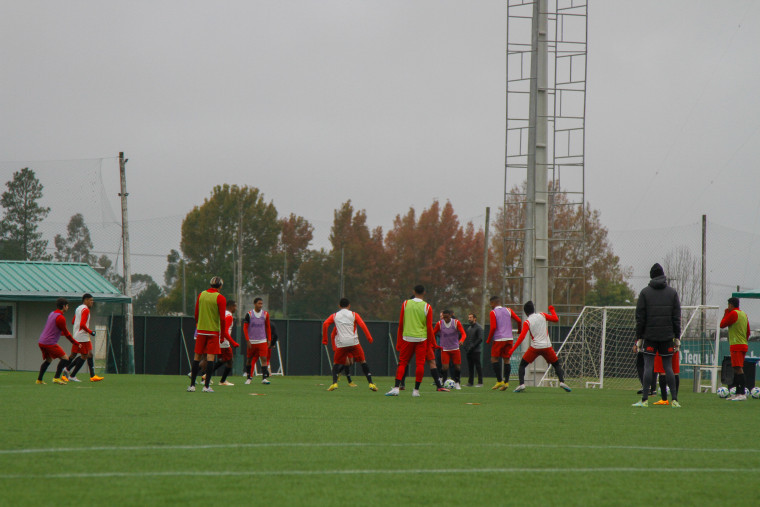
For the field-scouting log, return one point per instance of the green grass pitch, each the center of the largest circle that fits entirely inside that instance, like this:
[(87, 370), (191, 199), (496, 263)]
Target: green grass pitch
[(144, 440)]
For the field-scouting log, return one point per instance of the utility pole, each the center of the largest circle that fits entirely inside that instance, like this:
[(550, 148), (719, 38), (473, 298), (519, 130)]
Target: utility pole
[(129, 325), (240, 268), (341, 271), (285, 286), (483, 301)]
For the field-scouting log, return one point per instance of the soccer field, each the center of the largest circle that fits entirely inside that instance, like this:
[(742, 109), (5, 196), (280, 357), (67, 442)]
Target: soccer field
[(143, 440)]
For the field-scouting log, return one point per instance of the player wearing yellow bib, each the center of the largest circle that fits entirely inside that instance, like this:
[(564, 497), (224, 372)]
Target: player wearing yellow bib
[(415, 328), (738, 331), (210, 310)]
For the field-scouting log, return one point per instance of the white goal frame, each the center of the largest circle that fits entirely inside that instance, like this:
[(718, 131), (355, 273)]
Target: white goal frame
[(577, 343)]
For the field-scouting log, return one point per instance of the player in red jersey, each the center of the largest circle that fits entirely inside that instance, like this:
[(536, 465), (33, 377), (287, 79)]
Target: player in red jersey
[(258, 335), (210, 313), (540, 344), (83, 346), (347, 341), (226, 345), (452, 335), (500, 332), (48, 342)]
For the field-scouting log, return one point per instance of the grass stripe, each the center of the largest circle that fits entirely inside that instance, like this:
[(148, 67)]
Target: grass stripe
[(190, 447), (411, 471)]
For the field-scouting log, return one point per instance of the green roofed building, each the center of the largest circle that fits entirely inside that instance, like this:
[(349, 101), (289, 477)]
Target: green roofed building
[(28, 291)]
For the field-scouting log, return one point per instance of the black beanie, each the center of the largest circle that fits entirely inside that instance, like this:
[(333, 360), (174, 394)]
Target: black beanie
[(528, 308), (656, 271)]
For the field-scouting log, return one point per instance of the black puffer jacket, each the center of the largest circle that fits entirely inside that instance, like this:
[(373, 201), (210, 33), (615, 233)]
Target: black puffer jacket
[(658, 312)]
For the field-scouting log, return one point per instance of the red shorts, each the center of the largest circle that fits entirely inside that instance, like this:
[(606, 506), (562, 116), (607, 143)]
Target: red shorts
[(343, 353), (548, 353), (257, 350), (51, 351), (81, 348), (430, 352), (207, 344), (501, 349), (419, 349), (451, 356), (226, 354), (737, 355), (675, 362)]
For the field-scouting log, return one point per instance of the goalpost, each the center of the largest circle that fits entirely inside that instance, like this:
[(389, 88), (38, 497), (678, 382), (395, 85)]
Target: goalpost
[(598, 350)]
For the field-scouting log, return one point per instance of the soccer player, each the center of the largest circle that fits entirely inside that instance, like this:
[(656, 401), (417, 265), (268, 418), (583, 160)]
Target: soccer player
[(738, 331), (347, 341), (346, 367), (472, 350), (83, 345), (501, 334), (658, 368), (452, 335), (540, 344), (226, 344), (658, 329), (48, 342), (415, 328), (210, 313), (258, 335)]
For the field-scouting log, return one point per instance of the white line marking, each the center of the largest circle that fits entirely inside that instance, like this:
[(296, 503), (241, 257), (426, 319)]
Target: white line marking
[(191, 447), (269, 473)]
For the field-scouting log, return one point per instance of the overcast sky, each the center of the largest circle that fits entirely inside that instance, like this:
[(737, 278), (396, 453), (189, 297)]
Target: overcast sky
[(388, 103)]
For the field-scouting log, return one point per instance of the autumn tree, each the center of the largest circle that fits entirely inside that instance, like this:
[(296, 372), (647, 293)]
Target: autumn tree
[(318, 286), (296, 234), (439, 253), (23, 214), (76, 246), (583, 269)]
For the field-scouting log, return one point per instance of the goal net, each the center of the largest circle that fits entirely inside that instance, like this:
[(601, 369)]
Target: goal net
[(598, 350)]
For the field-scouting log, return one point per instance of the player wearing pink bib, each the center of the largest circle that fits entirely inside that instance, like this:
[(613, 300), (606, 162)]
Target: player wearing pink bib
[(48, 342), (347, 341), (258, 334), (540, 344), (501, 333), (452, 335)]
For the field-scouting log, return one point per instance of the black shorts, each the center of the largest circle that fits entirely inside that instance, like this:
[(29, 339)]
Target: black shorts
[(665, 348)]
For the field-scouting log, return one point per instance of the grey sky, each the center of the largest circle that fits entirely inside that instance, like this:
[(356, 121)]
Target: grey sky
[(389, 103)]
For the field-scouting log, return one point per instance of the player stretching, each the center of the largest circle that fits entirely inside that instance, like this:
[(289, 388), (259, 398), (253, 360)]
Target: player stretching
[(83, 345), (540, 344), (226, 344), (415, 328), (347, 341), (452, 335), (48, 342), (210, 310), (258, 334), (501, 334), (738, 331)]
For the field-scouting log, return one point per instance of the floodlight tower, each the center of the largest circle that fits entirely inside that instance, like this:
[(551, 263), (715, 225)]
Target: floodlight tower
[(544, 190)]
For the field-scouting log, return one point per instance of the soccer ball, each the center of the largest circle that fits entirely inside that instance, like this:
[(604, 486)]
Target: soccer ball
[(449, 384), (722, 392), (733, 391), (755, 392)]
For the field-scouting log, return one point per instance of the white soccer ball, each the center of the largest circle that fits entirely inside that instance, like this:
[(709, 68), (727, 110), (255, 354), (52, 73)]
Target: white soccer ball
[(733, 391), (755, 392), (449, 384), (722, 392)]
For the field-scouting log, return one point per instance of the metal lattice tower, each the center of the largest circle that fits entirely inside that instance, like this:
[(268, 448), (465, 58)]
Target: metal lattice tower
[(544, 189)]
